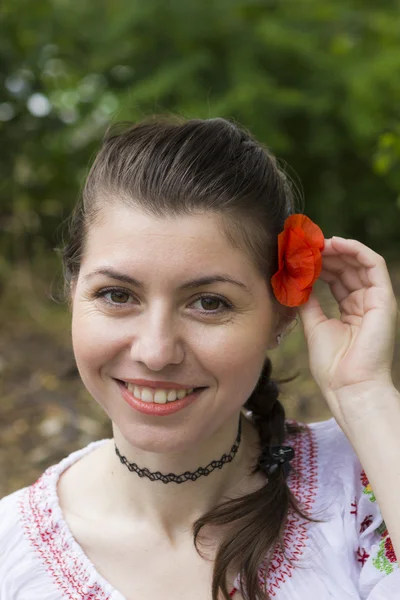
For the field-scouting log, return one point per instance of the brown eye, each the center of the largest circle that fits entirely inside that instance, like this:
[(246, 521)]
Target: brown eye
[(115, 297), (119, 297), (210, 303)]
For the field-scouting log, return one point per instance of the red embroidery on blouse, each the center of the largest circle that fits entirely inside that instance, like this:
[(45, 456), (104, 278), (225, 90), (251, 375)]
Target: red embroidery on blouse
[(303, 483), (389, 550), (63, 559), (362, 555), (354, 507), (367, 487), (75, 577), (366, 523)]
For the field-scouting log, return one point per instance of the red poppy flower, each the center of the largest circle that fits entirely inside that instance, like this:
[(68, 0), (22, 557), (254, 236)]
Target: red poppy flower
[(299, 258)]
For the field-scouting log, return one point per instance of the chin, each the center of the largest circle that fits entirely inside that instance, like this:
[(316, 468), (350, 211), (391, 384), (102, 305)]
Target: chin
[(156, 438)]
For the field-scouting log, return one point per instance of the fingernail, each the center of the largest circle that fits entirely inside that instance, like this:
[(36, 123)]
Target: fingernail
[(336, 237)]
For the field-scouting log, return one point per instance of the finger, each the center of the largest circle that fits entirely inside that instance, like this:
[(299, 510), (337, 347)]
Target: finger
[(311, 314), (351, 309), (356, 277), (348, 276), (349, 303), (374, 263), (339, 291), (332, 256)]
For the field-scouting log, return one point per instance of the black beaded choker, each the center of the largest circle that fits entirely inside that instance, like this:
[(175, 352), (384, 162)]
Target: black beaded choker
[(187, 476)]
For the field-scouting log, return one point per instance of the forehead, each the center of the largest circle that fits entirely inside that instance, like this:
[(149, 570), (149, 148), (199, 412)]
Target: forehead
[(124, 236)]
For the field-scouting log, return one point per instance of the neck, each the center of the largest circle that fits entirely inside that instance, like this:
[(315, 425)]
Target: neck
[(179, 478), (171, 508)]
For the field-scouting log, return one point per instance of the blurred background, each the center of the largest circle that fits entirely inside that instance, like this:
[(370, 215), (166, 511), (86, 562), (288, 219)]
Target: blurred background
[(317, 82)]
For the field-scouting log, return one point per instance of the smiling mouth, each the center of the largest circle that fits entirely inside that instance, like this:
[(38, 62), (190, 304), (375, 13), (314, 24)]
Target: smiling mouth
[(158, 395)]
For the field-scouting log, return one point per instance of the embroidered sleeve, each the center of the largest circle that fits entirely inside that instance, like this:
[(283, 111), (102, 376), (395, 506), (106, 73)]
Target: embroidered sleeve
[(377, 567), (21, 575)]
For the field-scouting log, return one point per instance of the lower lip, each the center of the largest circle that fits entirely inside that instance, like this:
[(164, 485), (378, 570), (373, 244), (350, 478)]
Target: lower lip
[(152, 408)]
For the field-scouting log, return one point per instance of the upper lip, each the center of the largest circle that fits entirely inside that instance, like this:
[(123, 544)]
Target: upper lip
[(161, 385)]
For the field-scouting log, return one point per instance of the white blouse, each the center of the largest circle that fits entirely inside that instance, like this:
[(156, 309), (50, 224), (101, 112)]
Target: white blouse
[(348, 556)]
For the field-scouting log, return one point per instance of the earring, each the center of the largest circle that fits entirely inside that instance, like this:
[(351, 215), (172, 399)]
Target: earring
[(278, 341)]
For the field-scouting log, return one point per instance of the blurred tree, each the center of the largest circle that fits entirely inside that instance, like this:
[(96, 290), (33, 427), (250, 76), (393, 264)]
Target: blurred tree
[(317, 82)]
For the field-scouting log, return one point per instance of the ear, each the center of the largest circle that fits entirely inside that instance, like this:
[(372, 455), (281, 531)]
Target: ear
[(285, 315)]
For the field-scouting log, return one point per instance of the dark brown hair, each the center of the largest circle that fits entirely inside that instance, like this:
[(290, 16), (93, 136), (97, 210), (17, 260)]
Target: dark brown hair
[(171, 167)]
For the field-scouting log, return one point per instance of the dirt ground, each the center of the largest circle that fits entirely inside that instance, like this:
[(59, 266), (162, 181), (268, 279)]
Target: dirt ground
[(46, 413)]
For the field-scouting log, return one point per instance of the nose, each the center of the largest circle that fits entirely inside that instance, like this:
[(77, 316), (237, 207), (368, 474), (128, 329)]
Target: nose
[(157, 342)]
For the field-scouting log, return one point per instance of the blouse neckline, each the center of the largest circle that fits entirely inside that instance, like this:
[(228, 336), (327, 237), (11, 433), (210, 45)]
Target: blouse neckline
[(74, 574)]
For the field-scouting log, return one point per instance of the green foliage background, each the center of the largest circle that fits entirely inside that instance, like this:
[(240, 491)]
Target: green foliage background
[(318, 82)]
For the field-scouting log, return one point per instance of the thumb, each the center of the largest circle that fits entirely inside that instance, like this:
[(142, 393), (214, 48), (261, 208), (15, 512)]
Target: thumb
[(311, 314)]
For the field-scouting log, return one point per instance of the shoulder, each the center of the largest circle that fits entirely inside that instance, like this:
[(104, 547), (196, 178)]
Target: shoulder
[(14, 547), (23, 572), (349, 533), (331, 445), (325, 440), (9, 512), (10, 526), (325, 464), (338, 463), (33, 535)]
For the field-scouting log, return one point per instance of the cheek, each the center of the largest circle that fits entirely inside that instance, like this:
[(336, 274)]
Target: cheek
[(236, 358), (94, 340)]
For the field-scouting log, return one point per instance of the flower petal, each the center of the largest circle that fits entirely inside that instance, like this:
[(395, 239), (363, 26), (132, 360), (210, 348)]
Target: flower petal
[(312, 233), (286, 292), (299, 259)]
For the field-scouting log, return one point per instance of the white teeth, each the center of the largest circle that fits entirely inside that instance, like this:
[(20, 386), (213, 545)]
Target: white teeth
[(147, 395), (158, 396), (171, 395)]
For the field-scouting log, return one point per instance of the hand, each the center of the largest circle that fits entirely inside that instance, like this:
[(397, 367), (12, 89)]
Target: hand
[(355, 351)]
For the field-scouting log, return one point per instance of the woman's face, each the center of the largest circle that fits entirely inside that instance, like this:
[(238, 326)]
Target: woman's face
[(168, 301)]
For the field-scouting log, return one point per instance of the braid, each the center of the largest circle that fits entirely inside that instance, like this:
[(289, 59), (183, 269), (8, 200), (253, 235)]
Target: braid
[(259, 517), (268, 412)]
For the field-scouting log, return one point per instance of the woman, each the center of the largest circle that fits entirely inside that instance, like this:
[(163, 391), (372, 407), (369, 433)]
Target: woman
[(177, 293)]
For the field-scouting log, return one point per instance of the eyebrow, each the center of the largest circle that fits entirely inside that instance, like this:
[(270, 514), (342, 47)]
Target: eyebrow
[(193, 283)]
